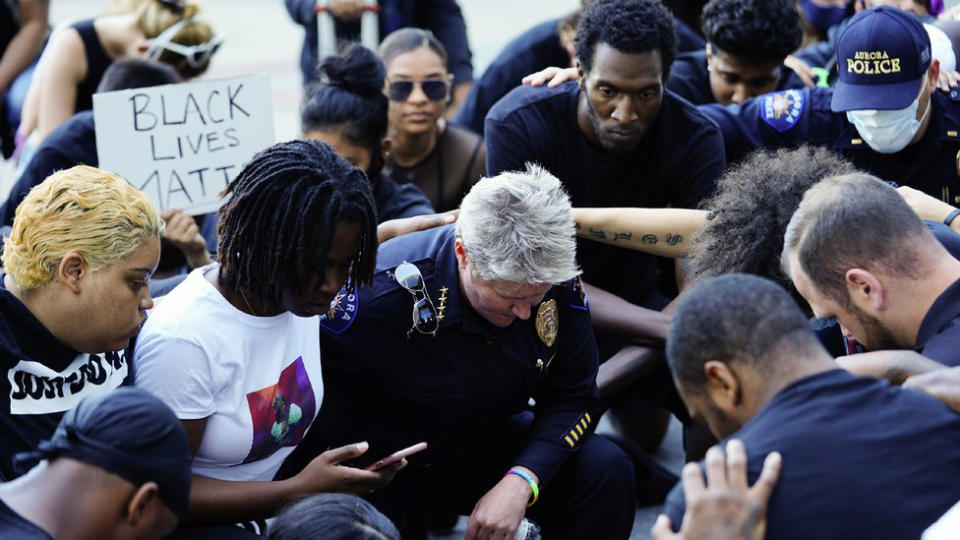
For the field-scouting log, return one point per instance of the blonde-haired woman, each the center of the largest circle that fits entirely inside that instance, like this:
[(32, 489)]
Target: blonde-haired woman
[(83, 245), (77, 56)]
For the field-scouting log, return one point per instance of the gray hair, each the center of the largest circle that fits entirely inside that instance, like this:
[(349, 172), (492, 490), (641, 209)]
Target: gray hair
[(854, 221), (518, 227)]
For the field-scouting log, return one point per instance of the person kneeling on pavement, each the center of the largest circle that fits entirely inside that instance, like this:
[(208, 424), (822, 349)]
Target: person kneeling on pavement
[(499, 322)]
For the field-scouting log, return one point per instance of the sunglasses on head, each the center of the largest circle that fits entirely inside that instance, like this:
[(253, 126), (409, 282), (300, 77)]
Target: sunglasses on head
[(196, 55), (425, 318), (434, 89)]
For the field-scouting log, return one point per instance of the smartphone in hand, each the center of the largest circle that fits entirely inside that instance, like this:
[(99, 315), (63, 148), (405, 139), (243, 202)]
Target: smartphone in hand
[(397, 456)]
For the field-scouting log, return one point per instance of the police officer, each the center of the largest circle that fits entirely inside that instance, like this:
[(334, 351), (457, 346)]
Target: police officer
[(884, 113), (476, 339)]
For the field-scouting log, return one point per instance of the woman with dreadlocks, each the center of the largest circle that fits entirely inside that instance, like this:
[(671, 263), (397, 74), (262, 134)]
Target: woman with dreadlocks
[(234, 350)]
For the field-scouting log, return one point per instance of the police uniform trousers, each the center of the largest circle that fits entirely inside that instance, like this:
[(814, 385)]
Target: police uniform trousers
[(591, 496)]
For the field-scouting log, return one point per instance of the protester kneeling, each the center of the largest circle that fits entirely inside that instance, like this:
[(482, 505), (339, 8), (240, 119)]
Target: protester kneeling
[(861, 458), (83, 245), (499, 317)]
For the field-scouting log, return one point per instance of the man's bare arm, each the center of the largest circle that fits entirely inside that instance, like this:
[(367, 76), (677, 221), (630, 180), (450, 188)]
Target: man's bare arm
[(666, 232)]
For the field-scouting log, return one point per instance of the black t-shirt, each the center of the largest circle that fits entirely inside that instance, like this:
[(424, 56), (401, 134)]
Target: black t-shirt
[(677, 163), (536, 49), (690, 79), (861, 459), (14, 527), (42, 378)]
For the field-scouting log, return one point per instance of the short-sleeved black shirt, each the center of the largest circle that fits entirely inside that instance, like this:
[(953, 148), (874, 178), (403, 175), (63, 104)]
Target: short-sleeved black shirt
[(939, 335), (677, 163), (536, 49), (861, 459), (41, 378)]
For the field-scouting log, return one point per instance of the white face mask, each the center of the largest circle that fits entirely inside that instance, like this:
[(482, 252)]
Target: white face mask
[(888, 132)]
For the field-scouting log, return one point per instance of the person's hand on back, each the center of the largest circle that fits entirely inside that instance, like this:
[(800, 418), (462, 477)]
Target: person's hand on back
[(724, 507), (943, 384)]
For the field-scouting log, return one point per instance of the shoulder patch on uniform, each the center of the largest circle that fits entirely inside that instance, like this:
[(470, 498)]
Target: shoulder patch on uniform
[(781, 110), (343, 311), (579, 298)]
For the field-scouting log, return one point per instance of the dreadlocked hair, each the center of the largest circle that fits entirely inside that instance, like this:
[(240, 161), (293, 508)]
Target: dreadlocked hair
[(282, 211)]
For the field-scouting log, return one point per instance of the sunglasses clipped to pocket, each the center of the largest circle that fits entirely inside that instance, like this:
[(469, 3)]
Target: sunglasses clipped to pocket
[(434, 89), (425, 318)]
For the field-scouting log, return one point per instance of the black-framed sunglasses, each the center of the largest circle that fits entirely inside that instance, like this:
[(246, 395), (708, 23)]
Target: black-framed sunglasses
[(434, 89), (425, 318)]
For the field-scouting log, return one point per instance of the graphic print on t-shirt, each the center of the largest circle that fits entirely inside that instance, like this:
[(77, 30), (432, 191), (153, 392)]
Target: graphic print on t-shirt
[(281, 413), (38, 389)]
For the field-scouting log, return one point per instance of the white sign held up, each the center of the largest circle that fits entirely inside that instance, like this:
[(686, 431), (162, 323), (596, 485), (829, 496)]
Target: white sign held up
[(183, 143)]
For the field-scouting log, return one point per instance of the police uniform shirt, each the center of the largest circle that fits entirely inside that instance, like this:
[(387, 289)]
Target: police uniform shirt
[(394, 387), (861, 459), (690, 79), (939, 334), (796, 116), (42, 378), (536, 49), (676, 163)]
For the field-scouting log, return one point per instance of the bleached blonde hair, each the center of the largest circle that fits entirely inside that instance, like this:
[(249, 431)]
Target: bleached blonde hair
[(84, 210), (518, 227)]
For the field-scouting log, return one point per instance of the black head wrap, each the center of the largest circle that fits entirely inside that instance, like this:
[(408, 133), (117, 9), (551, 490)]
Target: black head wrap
[(129, 433)]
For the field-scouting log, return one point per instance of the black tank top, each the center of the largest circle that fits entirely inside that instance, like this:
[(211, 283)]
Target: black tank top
[(97, 63)]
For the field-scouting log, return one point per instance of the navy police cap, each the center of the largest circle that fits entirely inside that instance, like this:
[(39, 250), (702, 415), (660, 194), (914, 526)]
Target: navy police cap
[(882, 57)]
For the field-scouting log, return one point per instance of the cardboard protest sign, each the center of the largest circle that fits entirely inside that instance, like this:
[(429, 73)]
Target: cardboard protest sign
[(183, 143)]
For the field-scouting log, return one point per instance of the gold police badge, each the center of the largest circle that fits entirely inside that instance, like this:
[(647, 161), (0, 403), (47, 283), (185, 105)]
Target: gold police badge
[(548, 321)]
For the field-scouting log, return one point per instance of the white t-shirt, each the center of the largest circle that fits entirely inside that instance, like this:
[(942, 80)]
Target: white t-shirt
[(257, 380)]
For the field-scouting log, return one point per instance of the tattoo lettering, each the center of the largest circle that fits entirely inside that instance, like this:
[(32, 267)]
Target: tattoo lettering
[(622, 236), (600, 234), (674, 239), (649, 239)]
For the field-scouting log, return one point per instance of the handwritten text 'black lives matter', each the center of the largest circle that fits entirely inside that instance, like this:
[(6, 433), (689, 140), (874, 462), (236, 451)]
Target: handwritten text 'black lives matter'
[(208, 118)]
